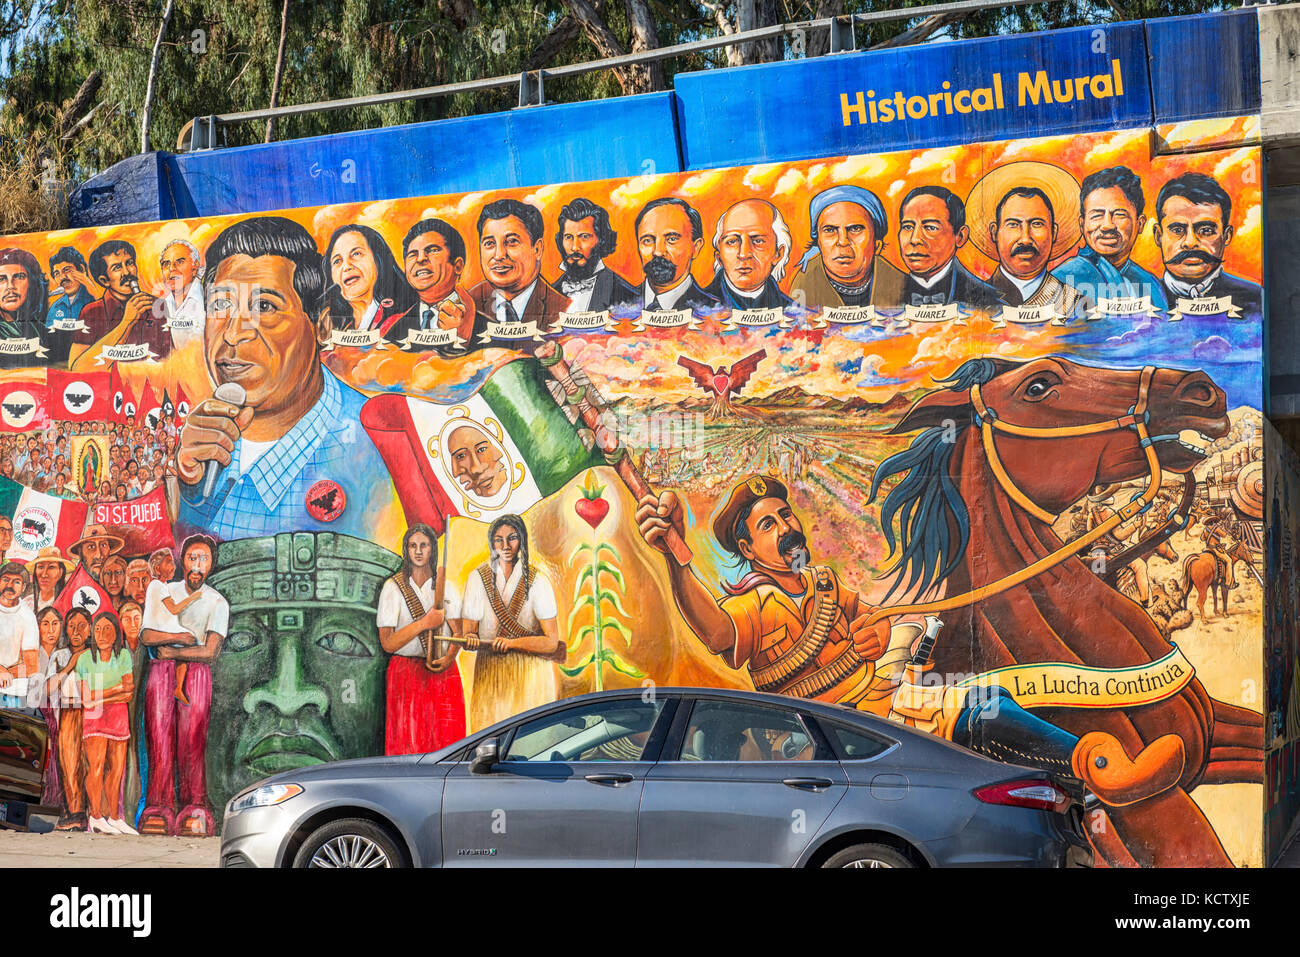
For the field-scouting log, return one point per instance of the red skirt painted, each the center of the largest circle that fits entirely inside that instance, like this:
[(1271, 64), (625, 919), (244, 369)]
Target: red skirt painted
[(107, 721), (425, 711)]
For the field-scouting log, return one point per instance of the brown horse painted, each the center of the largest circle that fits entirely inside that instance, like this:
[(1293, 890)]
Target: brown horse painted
[(1202, 572), (1066, 613)]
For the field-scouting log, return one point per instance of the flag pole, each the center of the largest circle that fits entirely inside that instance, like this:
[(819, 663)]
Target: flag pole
[(552, 360)]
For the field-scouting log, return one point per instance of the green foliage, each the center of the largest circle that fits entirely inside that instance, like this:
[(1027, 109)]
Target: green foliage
[(219, 56), (589, 591)]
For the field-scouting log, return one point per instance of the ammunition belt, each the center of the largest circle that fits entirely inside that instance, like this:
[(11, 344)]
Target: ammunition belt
[(823, 679), (810, 643)]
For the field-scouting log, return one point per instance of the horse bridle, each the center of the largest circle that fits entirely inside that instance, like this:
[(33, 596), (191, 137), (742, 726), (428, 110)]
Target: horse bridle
[(1137, 419)]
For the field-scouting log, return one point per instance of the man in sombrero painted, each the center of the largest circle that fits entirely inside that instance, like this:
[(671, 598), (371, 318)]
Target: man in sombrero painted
[(94, 547), (800, 631), (1026, 216)]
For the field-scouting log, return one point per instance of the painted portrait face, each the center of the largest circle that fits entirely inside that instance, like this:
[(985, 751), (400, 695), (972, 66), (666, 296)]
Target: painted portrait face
[(112, 575), (197, 563), (429, 267), (163, 567), (78, 629), (776, 535), (11, 586), (258, 333), (14, 283), (667, 246), (1111, 224), (578, 241), (505, 544), (178, 267), (47, 575), (352, 267), (6, 533), (137, 581), (1192, 238), (105, 634), (926, 239), (847, 242), (288, 698), (419, 550), (1024, 234), (62, 276), (50, 625), (119, 274), (747, 246), (93, 554), (132, 618), (476, 462), (510, 260)]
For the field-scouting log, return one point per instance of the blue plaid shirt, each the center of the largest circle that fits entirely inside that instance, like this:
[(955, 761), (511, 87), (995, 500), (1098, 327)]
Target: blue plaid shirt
[(328, 443)]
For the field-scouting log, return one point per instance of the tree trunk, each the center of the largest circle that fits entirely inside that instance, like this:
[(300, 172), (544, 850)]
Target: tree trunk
[(561, 35), (279, 70), (921, 32), (750, 15), (632, 79), (820, 41), (147, 112), (85, 96), (645, 36)]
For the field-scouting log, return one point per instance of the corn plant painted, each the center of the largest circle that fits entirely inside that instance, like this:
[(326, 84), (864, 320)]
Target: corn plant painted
[(600, 583)]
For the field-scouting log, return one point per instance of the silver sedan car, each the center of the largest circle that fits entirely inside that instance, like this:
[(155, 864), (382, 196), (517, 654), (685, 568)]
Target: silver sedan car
[(666, 777)]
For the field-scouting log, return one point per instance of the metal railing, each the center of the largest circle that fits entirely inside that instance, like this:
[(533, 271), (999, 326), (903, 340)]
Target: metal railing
[(531, 83)]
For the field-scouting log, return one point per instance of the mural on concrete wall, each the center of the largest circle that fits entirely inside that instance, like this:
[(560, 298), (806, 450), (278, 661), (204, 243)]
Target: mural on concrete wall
[(964, 437), (1282, 614)]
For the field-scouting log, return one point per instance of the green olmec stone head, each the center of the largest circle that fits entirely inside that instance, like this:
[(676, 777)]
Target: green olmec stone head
[(300, 677)]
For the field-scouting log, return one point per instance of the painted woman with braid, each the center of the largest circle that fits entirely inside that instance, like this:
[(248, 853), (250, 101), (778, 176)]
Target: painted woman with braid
[(425, 701), (510, 619)]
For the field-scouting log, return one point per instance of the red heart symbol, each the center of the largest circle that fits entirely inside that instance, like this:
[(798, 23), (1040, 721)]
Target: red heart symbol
[(592, 510), (720, 383)]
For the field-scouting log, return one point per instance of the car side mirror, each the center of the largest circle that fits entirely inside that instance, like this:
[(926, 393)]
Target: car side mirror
[(485, 756)]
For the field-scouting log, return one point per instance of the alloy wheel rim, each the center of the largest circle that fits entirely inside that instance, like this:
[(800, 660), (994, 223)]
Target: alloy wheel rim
[(867, 862), (349, 850)]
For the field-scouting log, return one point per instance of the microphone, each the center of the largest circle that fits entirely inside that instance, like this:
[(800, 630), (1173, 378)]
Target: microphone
[(233, 393)]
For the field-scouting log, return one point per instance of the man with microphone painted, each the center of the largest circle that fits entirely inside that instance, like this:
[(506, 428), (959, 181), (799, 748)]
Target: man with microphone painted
[(123, 315), (278, 447)]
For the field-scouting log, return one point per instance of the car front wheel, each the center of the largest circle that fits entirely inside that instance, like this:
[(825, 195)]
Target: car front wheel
[(350, 842), (868, 855)]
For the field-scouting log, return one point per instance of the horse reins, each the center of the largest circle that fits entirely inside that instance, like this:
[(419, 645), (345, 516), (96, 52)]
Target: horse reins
[(1137, 419)]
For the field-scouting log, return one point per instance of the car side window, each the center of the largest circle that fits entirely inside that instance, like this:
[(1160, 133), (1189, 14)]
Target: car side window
[(604, 731), (855, 745), (735, 731)]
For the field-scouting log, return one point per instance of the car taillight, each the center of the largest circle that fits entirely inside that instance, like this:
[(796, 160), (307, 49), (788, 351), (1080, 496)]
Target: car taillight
[(1032, 792)]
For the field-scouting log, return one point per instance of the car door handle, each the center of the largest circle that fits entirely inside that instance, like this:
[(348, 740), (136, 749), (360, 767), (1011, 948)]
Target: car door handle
[(610, 780), (808, 784)]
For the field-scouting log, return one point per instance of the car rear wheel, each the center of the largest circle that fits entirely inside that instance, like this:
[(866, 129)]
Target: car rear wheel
[(350, 842), (868, 855)]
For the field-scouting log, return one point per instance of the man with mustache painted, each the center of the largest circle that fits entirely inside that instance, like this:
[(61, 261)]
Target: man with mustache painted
[(20, 639), (1193, 232), (178, 730), (669, 235), (1112, 217), (800, 631), (584, 239), (1024, 232), (795, 626), (433, 258)]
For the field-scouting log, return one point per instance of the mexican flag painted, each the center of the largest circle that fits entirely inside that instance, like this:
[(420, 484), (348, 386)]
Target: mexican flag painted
[(499, 451), (39, 520)]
